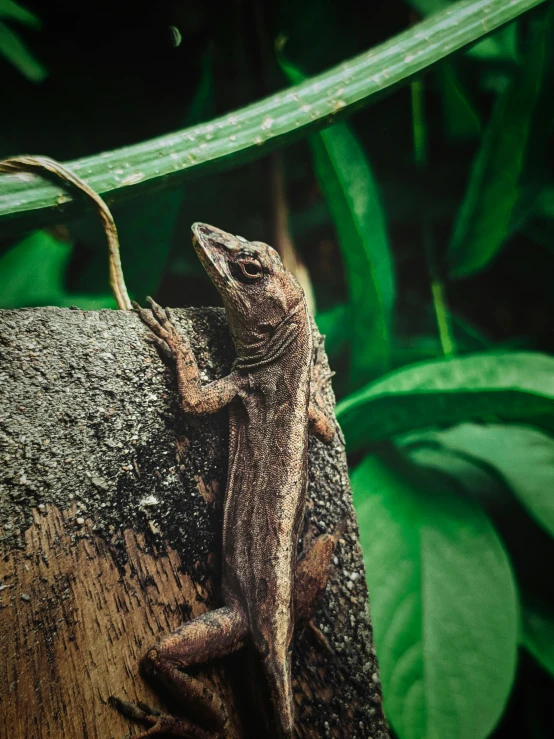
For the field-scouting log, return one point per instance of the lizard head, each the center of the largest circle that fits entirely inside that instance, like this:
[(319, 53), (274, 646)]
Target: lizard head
[(257, 291)]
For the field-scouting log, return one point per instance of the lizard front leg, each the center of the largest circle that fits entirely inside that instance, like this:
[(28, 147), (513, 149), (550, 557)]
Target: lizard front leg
[(210, 636), (195, 398), (322, 423)]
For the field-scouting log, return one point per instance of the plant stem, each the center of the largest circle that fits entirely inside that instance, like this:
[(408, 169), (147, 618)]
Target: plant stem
[(438, 293)]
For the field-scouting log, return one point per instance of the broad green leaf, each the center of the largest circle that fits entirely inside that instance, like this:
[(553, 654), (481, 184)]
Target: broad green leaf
[(263, 126), (499, 46), (509, 386), (522, 456), (494, 188), (443, 602), (477, 480), (538, 633), (15, 51), (347, 182)]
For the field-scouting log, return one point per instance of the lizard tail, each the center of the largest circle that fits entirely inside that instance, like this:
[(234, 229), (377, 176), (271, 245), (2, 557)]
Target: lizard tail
[(278, 674)]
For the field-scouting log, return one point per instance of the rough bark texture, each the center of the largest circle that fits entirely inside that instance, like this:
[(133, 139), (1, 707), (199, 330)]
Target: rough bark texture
[(110, 519)]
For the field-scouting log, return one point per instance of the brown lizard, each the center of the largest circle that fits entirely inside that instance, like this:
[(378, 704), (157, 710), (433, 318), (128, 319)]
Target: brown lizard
[(272, 398)]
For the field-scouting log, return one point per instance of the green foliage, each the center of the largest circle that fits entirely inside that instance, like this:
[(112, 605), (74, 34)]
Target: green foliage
[(500, 46), (495, 187), (268, 124), (538, 633), (11, 46), (33, 274), (453, 457), (461, 120), (348, 184), (516, 386), (528, 469), (443, 599)]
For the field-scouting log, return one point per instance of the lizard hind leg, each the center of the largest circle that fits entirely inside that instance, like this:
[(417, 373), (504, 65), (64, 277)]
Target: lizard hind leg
[(313, 572), (210, 636)]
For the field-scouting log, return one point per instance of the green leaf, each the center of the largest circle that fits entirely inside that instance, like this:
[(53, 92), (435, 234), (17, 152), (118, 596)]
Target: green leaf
[(494, 188), (264, 126), (499, 46), (334, 324), (538, 633), (32, 271), (477, 480), (15, 51), (511, 386), (16, 12), (544, 204), (443, 602), (522, 456), (461, 120), (347, 182)]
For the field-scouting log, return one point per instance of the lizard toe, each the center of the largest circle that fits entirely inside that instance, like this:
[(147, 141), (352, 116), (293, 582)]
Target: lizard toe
[(160, 724)]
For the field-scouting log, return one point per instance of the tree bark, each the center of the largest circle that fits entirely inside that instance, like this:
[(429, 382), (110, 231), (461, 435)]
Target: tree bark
[(110, 521)]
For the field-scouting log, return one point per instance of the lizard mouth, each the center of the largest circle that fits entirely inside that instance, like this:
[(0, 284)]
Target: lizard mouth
[(214, 248)]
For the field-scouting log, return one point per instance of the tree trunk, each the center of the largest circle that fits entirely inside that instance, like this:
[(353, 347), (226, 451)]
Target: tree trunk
[(110, 521)]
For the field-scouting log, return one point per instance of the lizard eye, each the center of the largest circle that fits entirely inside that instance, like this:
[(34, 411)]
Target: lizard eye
[(248, 271)]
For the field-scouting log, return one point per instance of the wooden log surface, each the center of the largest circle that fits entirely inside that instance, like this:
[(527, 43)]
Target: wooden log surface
[(110, 523)]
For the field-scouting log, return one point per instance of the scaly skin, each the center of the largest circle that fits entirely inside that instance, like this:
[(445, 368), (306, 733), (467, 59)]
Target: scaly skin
[(271, 397)]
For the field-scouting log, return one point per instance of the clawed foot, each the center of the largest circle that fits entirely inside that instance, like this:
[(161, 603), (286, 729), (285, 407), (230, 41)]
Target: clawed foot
[(164, 334), (160, 724)]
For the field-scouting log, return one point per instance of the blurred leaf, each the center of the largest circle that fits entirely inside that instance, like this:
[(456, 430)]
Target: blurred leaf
[(443, 601), (499, 46), (15, 51), (544, 204), (522, 456), (461, 120), (10, 9), (33, 274), (493, 191), (347, 182), (32, 271), (334, 324), (538, 633), (477, 480), (512, 386), (468, 337), (88, 302), (541, 232)]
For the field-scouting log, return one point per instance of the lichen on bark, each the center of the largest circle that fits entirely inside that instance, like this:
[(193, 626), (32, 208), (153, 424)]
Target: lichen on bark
[(110, 521)]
